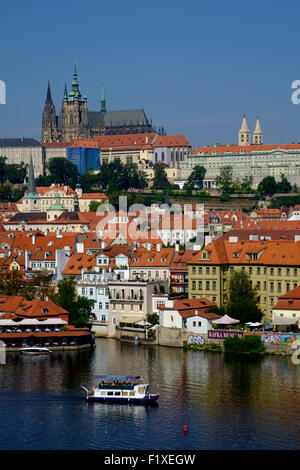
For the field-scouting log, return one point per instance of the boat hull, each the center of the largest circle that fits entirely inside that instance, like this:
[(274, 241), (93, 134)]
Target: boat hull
[(35, 353), (143, 401)]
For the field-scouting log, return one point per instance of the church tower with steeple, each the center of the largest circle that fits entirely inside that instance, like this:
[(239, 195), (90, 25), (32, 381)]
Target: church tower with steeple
[(73, 111), (49, 124), (257, 134), (31, 201), (76, 121), (244, 133)]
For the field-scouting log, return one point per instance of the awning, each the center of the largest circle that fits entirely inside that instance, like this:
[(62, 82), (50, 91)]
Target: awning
[(33, 321), (226, 320), (143, 323), (253, 324), (284, 321), (131, 319)]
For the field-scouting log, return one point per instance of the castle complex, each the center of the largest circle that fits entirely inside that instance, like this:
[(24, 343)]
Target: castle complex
[(76, 121)]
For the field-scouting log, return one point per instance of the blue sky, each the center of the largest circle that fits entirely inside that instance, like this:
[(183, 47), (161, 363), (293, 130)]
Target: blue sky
[(195, 67)]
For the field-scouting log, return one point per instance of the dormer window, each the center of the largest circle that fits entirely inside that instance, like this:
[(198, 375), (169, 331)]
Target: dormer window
[(204, 255)]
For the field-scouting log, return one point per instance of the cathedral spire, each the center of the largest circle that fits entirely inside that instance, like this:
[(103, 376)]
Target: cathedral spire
[(103, 101), (66, 93), (75, 94), (49, 98), (31, 182)]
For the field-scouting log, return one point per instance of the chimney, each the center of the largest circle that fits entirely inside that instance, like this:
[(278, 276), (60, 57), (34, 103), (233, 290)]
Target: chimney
[(33, 239), (146, 139), (103, 244), (176, 246), (207, 240), (297, 238), (158, 247), (149, 246), (233, 239), (79, 247)]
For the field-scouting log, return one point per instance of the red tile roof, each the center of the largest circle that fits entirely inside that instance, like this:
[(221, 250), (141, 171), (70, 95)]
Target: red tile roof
[(96, 196), (221, 149)]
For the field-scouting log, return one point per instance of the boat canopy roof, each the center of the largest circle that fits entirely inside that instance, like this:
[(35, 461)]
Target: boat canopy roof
[(118, 377)]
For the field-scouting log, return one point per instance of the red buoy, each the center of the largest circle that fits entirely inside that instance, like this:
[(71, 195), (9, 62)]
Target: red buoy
[(185, 428)]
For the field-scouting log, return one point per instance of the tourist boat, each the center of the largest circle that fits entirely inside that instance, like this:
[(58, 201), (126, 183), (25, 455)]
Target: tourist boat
[(35, 350), (120, 389)]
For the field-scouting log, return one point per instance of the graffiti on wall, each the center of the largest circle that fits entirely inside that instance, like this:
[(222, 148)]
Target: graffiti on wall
[(196, 340)]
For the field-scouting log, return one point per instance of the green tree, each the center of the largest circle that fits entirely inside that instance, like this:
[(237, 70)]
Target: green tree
[(63, 172), (12, 283), (284, 186), (268, 186), (153, 318), (195, 180), (16, 173), (42, 285), (79, 308), (242, 304), (2, 169), (81, 314), (224, 180), (160, 180), (94, 205)]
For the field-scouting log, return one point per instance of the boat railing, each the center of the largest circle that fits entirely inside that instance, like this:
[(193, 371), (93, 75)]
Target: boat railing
[(116, 386)]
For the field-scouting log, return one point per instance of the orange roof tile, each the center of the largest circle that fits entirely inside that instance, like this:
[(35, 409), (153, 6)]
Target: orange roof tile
[(221, 149)]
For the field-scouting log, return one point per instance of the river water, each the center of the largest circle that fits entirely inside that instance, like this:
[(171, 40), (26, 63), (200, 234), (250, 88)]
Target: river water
[(226, 402)]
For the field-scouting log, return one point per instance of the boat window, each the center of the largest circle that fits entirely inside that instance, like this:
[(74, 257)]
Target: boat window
[(117, 393), (132, 394), (125, 394), (102, 393), (110, 394), (141, 389)]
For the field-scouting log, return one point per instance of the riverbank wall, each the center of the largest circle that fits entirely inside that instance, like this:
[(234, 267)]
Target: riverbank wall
[(275, 343)]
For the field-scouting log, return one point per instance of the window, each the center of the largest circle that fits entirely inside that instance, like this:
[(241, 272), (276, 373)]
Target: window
[(194, 323), (200, 285), (103, 318), (207, 270), (207, 285), (214, 270), (295, 272), (91, 291), (100, 305), (193, 270), (214, 285), (193, 284), (199, 323), (199, 270)]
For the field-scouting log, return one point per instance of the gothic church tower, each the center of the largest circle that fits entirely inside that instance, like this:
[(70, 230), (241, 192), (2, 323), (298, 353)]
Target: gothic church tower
[(73, 111), (49, 124)]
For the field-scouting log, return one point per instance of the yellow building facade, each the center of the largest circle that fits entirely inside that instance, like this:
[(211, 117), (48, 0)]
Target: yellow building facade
[(273, 267)]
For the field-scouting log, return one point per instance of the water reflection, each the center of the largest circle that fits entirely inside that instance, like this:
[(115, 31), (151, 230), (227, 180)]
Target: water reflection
[(227, 402)]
